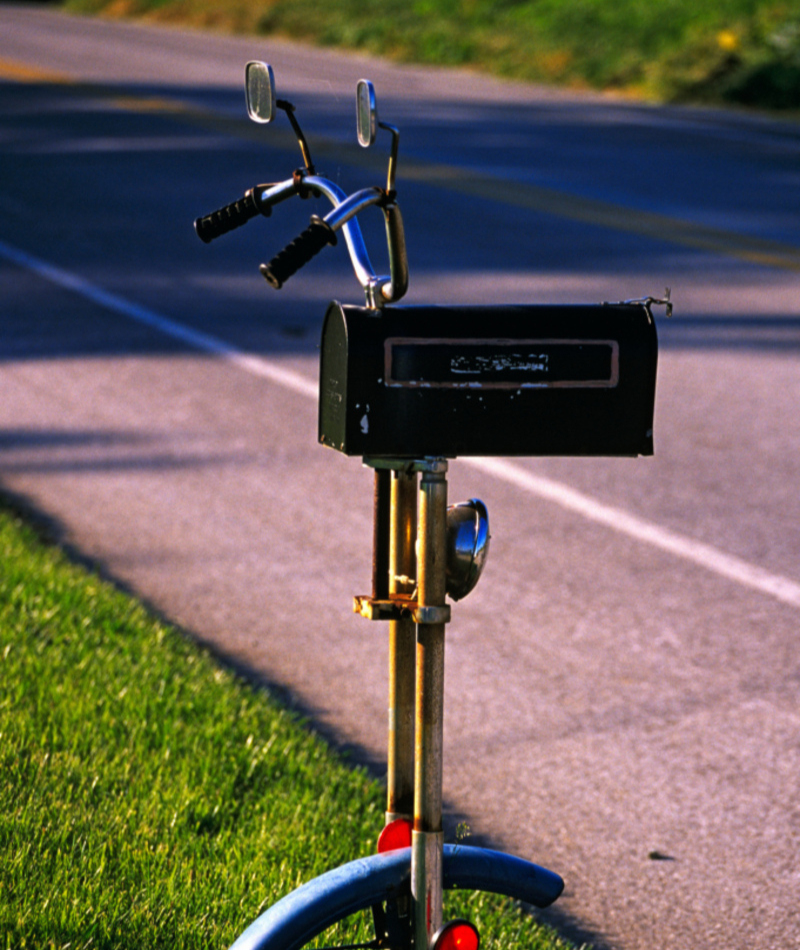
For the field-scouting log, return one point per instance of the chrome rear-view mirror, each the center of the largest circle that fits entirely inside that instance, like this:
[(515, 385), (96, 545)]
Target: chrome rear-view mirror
[(259, 85), (366, 113)]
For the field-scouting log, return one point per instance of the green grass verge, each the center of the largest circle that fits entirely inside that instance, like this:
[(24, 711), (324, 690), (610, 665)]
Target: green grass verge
[(148, 797), (739, 51)]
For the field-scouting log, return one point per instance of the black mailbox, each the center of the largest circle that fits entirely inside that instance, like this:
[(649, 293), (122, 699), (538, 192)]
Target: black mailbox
[(410, 382)]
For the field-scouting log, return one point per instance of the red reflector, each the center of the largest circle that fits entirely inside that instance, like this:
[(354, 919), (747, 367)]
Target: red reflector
[(397, 834), (457, 935)]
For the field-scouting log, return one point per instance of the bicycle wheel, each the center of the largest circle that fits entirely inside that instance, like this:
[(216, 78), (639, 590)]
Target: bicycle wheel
[(381, 881)]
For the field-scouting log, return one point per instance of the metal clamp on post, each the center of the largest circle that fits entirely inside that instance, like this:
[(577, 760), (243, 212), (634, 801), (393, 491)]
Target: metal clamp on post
[(397, 605), (432, 614)]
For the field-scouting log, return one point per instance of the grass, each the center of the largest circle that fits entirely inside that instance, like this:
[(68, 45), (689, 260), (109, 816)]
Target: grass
[(739, 51), (148, 797)]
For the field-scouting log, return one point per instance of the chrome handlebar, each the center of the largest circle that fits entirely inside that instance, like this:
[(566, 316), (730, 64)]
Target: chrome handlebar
[(378, 290)]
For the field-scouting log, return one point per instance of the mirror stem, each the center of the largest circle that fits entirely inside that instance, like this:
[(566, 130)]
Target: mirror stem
[(288, 108), (392, 173)]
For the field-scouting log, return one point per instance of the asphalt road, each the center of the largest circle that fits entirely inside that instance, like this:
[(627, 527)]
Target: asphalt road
[(624, 681)]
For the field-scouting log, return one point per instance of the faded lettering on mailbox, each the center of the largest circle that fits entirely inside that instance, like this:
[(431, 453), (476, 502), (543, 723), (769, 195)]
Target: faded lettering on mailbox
[(501, 364)]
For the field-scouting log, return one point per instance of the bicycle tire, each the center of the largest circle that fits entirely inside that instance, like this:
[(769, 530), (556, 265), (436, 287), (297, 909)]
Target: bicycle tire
[(359, 885)]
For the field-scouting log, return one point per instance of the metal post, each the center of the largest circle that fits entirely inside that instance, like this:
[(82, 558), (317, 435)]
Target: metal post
[(402, 648), (380, 535), (428, 837)]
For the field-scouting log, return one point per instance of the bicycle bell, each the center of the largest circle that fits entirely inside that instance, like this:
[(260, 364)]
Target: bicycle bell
[(467, 546)]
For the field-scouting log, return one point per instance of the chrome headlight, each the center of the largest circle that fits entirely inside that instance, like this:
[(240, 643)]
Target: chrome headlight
[(467, 545)]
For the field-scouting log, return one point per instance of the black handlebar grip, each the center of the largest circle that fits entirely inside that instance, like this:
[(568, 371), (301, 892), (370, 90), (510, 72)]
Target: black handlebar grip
[(316, 236), (226, 219)]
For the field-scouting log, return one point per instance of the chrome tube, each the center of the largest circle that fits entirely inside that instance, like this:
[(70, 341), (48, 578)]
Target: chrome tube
[(365, 273), (427, 884), (378, 290), (352, 205), (274, 194), (398, 258), (402, 649), (427, 842)]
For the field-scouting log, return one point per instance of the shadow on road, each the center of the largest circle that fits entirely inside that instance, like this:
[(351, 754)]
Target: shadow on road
[(104, 182)]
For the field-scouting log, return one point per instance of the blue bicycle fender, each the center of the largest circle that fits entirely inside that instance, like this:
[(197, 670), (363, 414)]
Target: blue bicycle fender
[(478, 869), (307, 911)]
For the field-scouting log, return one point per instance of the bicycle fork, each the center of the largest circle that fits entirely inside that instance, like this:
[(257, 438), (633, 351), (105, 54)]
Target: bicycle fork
[(409, 581)]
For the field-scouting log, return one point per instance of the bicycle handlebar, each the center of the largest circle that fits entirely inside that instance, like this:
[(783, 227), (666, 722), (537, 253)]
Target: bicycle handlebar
[(321, 232), (298, 253), (232, 216), (256, 200)]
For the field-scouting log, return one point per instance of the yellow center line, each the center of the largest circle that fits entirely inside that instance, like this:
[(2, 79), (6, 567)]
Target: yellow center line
[(21, 72), (649, 224), (151, 104), (590, 211)]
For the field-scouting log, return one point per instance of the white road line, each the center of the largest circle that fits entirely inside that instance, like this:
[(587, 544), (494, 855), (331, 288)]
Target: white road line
[(178, 331), (732, 568), (726, 565)]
